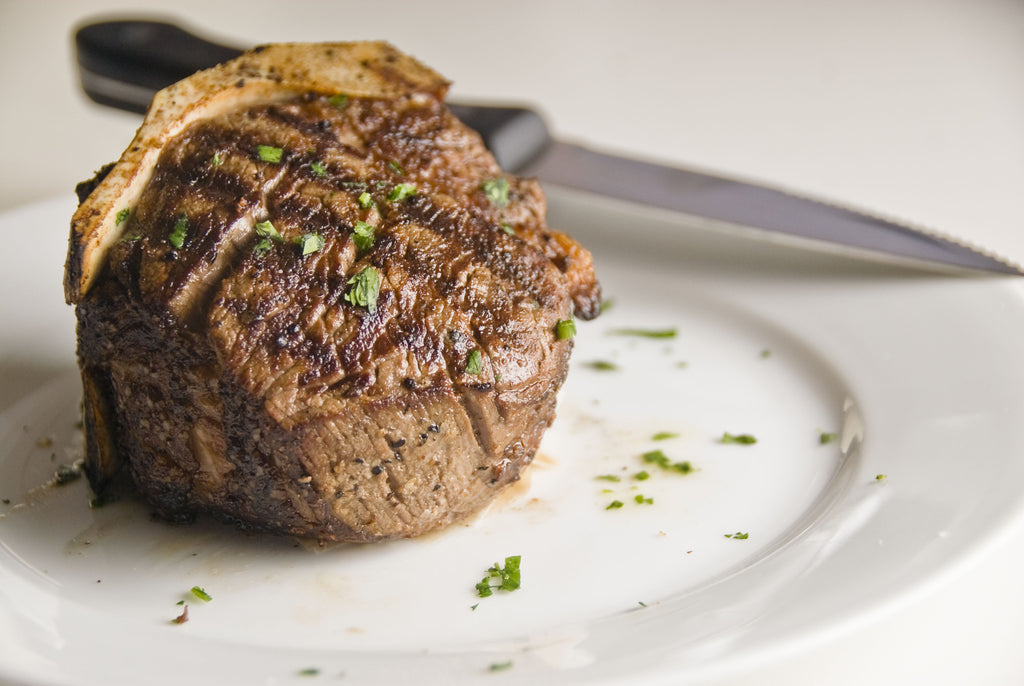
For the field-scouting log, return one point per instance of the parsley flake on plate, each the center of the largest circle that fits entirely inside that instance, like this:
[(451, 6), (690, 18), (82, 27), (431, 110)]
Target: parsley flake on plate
[(741, 439), (201, 594), (508, 577), (645, 333)]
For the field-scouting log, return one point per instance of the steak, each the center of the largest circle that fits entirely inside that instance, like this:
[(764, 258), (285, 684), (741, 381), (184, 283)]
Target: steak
[(310, 303)]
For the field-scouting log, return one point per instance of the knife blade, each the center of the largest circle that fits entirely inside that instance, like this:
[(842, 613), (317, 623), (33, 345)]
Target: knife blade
[(123, 63)]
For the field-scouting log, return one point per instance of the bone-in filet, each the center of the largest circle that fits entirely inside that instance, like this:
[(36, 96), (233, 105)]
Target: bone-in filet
[(309, 302)]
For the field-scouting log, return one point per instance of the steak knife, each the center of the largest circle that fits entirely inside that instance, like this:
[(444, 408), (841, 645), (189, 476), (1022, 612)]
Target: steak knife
[(123, 63)]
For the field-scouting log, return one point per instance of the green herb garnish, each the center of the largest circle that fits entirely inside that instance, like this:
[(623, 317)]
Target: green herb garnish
[(310, 243), (645, 333), (662, 460), (614, 505), (741, 439), (318, 168), (508, 577), (267, 230), (474, 363), (608, 477), (496, 191), (507, 228), (664, 435), (642, 476), (121, 216), (641, 500), (339, 100), (363, 236), (603, 366), (365, 288), (565, 329), (216, 160), (740, 535), (268, 153), (309, 671), (177, 236), (401, 192), (395, 167), (201, 594), (365, 200), (826, 437), (500, 666), (881, 477)]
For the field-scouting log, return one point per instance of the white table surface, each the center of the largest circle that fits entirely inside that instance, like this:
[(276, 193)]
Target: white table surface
[(912, 108)]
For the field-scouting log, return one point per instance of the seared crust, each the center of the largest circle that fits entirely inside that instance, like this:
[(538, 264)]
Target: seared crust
[(233, 373), (267, 74)]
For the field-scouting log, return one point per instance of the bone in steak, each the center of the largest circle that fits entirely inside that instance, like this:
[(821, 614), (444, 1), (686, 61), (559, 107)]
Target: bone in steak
[(251, 348)]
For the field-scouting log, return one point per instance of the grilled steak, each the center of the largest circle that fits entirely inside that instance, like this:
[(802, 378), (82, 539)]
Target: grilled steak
[(309, 302)]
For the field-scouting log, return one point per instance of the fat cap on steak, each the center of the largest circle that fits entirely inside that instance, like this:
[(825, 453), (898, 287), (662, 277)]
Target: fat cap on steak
[(262, 75)]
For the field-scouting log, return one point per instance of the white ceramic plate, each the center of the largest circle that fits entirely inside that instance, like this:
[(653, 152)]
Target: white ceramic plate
[(918, 375)]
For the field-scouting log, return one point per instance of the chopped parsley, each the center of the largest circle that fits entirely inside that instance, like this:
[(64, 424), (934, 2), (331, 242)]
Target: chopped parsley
[(310, 243), (766, 353), (642, 476), (177, 236), (201, 594), (614, 505), (309, 671), (363, 236), (645, 333), (401, 192), (268, 234), (122, 215), (641, 500), (741, 439), (508, 577), (662, 460), (339, 100), (826, 437), (565, 329), (500, 666), (395, 167), (318, 168), (739, 535), (603, 366), (507, 228), (365, 200), (881, 477), (608, 477), (496, 191), (474, 363), (664, 435), (365, 289), (268, 153), (216, 160), (267, 230)]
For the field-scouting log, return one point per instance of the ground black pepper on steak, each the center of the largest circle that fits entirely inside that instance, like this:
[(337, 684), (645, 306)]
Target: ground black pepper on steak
[(227, 372)]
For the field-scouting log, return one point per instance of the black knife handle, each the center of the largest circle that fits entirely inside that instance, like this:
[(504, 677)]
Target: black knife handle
[(123, 63)]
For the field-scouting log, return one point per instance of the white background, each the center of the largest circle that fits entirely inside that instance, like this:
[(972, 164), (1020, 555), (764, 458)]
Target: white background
[(913, 108)]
